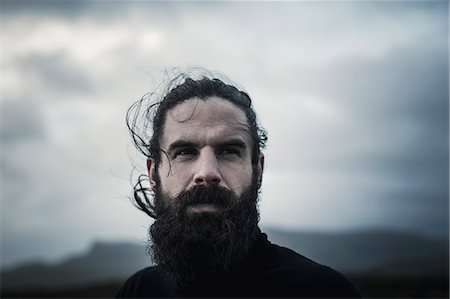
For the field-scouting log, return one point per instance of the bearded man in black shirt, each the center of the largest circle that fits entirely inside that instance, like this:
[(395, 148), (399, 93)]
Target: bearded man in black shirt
[(203, 146)]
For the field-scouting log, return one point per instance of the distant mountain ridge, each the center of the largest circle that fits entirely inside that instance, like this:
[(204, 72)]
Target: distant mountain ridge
[(103, 262), (375, 251), (357, 253)]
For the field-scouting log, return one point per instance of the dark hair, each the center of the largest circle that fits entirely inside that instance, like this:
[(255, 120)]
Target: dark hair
[(145, 121)]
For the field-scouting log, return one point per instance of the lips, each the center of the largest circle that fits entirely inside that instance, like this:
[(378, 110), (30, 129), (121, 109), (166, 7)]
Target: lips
[(203, 208)]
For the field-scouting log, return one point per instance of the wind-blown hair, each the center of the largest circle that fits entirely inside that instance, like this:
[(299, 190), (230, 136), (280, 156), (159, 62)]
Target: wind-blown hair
[(146, 117)]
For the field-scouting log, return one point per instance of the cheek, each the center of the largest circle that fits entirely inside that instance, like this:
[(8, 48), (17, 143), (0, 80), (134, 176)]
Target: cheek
[(174, 180), (238, 178)]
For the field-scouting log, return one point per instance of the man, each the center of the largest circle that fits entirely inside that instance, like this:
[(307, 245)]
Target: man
[(205, 169)]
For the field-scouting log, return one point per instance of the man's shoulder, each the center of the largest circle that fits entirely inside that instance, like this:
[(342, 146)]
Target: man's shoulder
[(299, 275), (146, 283), (290, 260)]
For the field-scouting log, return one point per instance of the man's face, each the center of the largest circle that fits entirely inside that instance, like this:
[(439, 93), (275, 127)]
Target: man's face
[(206, 190), (205, 142)]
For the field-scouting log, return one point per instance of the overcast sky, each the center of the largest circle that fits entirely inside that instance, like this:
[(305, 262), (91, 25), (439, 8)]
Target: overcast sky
[(354, 96)]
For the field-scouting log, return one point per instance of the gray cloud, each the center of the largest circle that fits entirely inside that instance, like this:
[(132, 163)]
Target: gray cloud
[(45, 8), (394, 132), (20, 120), (419, 210), (400, 107), (59, 76)]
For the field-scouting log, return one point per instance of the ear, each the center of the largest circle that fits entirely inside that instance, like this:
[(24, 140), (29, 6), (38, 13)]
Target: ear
[(151, 172), (260, 167)]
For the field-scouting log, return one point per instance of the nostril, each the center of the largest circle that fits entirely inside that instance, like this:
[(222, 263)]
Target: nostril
[(201, 180)]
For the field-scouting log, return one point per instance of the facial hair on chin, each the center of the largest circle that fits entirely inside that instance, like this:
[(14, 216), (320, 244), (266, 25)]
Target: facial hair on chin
[(194, 246)]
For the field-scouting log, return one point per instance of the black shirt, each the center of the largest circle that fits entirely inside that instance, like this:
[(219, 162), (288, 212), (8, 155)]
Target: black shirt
[(268, 271)]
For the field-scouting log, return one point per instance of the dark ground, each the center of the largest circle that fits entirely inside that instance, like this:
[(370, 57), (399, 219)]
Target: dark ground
[(369, 287)]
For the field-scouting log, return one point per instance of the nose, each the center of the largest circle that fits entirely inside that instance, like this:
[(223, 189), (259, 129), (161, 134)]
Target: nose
[(207, 170)]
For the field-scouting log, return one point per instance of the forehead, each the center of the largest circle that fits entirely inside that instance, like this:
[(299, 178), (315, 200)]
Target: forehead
[(205, 119)]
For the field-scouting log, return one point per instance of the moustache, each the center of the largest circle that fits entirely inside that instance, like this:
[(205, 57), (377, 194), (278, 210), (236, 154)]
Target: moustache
[(219, 196)]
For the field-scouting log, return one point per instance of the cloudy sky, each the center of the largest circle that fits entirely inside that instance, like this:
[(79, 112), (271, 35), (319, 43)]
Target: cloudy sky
[(354, 96)]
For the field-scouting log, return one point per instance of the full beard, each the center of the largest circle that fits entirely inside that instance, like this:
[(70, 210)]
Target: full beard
[(195, 247)]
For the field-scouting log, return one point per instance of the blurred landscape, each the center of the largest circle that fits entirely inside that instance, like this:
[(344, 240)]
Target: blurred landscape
[(381, 264), (354, 96)]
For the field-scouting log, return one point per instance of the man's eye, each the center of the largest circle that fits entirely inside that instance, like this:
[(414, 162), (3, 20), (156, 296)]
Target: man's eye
[(185, 153), (229, 152)]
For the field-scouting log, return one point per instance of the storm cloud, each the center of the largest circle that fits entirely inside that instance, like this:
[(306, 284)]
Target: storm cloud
[(354, 96)]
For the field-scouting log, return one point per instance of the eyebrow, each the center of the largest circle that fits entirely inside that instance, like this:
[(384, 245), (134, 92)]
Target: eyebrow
[(232, 142), (184, 143), (180, 144)]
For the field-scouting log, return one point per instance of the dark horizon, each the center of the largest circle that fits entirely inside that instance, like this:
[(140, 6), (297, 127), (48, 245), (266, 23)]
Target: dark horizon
[(266, 229), (386, 264)]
